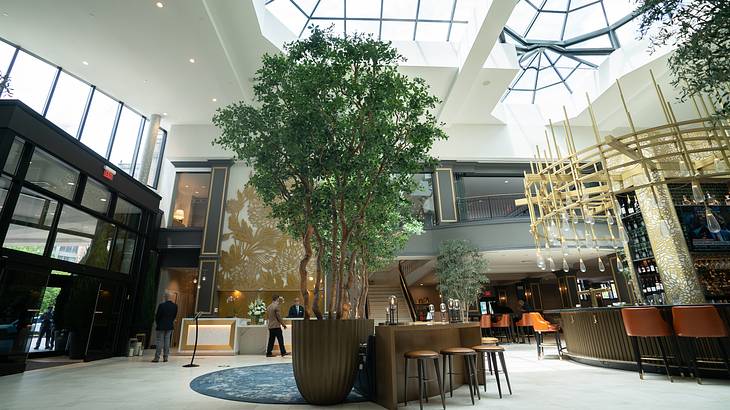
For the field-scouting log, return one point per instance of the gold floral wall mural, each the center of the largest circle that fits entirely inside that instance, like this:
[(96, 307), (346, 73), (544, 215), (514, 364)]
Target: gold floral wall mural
[(256, 255)]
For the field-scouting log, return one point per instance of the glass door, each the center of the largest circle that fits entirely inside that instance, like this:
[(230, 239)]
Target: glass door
[(105, 324), (21, 296)]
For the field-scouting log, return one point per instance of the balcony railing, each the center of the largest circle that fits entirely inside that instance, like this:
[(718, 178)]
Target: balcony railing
[(479, 208)]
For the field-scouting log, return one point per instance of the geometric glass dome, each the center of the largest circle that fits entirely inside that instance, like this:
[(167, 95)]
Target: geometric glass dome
[(398, 20), (559, 42)]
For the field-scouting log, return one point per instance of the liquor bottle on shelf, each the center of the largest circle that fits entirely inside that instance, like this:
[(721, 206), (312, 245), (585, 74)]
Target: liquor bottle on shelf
[(686, 201), (727, 200), (630, 206)]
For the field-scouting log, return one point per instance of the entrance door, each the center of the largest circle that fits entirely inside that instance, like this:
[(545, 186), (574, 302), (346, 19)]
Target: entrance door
[(21, 295), (105, 325)]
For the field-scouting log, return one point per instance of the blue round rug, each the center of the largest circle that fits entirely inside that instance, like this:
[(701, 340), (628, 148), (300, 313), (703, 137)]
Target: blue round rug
[(266, 384)]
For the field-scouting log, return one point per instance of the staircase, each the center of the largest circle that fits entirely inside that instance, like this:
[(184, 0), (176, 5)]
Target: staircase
[(378, 295)]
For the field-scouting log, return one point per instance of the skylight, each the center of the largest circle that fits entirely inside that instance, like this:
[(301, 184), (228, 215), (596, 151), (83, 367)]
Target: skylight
[(405, 20), (559, 42)]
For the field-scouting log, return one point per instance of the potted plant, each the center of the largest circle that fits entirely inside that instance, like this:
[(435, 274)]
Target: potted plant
[(256, 311), (333, 136), (461, 272)]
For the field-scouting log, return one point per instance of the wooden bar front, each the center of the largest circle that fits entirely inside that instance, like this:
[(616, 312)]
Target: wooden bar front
[(392, 342)]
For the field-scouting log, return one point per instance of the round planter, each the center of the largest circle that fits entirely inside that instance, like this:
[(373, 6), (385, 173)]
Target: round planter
[(325, 357)]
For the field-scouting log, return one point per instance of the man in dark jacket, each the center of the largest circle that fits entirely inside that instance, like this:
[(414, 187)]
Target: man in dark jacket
[(165, 319), (46, 329), (296, 310)]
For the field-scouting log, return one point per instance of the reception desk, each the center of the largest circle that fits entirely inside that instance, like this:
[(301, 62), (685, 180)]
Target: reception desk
[(391, 342), (254, 338), (596, 336), (216, 336)]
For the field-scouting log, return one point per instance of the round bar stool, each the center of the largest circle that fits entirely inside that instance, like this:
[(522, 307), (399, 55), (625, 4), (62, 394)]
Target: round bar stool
[(490, 353), (492, 341), (422, 357), (646, 322), (470, 367), (694, 322)]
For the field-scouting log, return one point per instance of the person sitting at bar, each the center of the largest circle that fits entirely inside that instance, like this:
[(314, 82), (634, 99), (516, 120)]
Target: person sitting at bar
[(502, 308), (296, 310), (524, 306)]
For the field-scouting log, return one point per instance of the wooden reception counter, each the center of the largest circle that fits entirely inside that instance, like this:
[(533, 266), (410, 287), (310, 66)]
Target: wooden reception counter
[(393, 341), (596, 336)]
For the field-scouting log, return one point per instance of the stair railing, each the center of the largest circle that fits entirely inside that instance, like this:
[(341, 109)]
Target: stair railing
[(406, 293)]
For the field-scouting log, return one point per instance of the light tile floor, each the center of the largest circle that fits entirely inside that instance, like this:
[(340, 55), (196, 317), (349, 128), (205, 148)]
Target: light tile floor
[(122, 383)]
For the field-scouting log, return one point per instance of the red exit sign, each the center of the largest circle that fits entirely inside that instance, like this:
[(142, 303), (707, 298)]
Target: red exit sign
[(109, 173)]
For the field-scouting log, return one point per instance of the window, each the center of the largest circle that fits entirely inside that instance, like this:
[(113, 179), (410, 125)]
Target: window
[(125, 140), (51, 174), (127, 213), (96, 196), (11, 164), (4, 187), (88, 238), (31, 222), (68, 103), (190, 199), (422, 200), (480, 197), (100, 123), (123, 251), (6, 55), (31, 80)]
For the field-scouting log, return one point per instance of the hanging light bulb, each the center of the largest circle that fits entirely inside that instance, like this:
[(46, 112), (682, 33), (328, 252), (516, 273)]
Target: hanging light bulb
[(589, 240), (582, 265), (540, 261), (697, 194), (619, 265), (601, 266), (564, 217), (566, 268), (609, 218), (566, 224), (565, 250), (712, 224), (615, 243), (622, 234), (551, 264), (590, 220)]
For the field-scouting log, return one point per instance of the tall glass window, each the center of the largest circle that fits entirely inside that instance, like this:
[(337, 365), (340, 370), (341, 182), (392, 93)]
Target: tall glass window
[(68, 103), (123, 251), (11, 164), (100, 123), (96, 196), (52, 174), (31, 222), (127, 213), (31, 80), (82, 238), (156, 155), (190, 199), (6, 55), (125, 140), (4, 187)]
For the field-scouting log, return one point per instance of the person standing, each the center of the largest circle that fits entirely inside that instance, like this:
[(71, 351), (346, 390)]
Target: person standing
[(165, 319), (46, 329), (296, 310), (275, 324)]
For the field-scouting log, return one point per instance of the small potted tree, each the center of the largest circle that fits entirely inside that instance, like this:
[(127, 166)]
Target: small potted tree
[(333, 136), (461, 272)]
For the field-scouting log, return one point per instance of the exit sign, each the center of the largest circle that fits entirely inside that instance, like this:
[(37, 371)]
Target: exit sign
[(109, 173)]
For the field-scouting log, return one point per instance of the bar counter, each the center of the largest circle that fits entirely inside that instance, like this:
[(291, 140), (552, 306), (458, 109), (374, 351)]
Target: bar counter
[(392, 342), (596, 336)]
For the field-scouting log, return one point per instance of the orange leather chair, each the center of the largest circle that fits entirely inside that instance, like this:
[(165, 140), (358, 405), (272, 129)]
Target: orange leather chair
[(703, 321), (485, 323), (524, 325), (646, 322), (541, 326), (505, 323)]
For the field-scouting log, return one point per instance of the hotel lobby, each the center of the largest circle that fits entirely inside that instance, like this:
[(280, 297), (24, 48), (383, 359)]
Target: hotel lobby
[(364, 204)]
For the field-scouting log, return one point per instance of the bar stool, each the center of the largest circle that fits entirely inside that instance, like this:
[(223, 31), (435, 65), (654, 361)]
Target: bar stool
[(490, 341), (504, 323), (470, 365), (525, 323), (422, 357), (485, 323), (541, 326), (490, 353), (646, 322), (694, 322)]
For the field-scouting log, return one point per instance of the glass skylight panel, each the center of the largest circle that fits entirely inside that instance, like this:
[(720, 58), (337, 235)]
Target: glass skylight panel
[(363, 9), (394, 9), (435, 9), (398, 30), (431, 31)]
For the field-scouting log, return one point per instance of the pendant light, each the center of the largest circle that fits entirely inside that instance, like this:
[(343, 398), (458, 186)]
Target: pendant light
[(566, 268), (619, 265), (551, 263), (601, 266), (590, 220), (712, 224), (540, 261), (697, 194), (582, 265), (609, 218)]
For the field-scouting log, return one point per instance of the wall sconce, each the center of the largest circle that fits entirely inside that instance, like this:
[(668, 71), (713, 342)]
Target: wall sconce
[(178, 215), (442, 308)]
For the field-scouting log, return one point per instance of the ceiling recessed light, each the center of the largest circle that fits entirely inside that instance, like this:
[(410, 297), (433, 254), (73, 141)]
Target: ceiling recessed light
[(164, 114), (214, 99), (159, 4), (421, 284), (506, 182), (102, 199), (197, 192), (5, 14), (85, 62), (192, 60), (70, 183), (187, 186)]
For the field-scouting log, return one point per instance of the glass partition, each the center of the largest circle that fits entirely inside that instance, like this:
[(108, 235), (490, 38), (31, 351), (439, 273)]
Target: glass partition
[(127, 214), (85, 239), (123, 251), (125, 140), (52, 174), (6, 55), (190, 199), (31, 222), (68, 103), (11, 164), (96, 196)]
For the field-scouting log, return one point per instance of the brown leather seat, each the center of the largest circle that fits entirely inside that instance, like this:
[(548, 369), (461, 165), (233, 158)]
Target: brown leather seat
[(490, 340), (698, 321), (503, 321), (421, 354), (488, 348), (525, 320), (485, 322), (645, 322), (458, 351)]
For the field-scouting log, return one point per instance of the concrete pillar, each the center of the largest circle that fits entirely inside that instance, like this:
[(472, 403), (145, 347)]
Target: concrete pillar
[(148, 150)]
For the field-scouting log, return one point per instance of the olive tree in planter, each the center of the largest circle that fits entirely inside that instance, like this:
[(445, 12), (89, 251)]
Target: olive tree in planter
[(461, 272), (333, 136)]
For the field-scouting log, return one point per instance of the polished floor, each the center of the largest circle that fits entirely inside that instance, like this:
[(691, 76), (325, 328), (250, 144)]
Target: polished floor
[(123, 383)]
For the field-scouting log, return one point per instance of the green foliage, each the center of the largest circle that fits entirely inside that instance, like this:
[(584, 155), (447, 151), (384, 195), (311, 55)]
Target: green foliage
[(700, 30), (461, 271), (334, 135), (49, 298)]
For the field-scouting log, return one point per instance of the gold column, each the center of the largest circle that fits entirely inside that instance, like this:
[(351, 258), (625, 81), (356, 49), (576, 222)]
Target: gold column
[(672, 256)]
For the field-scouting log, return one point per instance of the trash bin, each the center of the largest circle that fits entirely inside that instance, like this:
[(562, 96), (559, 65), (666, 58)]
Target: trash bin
[(131, 348)]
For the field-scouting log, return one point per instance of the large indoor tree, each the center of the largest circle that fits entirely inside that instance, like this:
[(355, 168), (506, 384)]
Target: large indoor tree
[(461, 271), (334, 132), (700, 31)]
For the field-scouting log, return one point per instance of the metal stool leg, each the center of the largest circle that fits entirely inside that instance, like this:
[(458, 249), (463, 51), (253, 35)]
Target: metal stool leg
[(420, 384), (474, 376), (451, 375), (693, 352), (405, 384), (489, 362), (483, 359), (493, 358), (637, 355), (441, 387), (467, 372), (504, 369), (663, 350)]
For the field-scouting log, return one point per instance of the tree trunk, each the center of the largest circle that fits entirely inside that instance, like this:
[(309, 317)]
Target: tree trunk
[(333, 265), (307, 241), (318, 283)]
